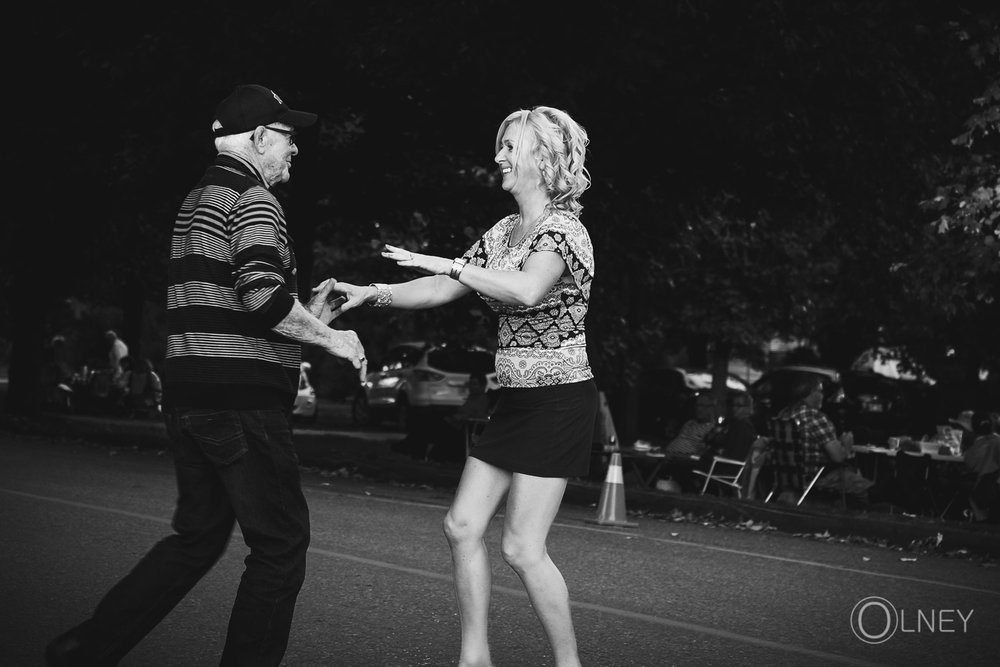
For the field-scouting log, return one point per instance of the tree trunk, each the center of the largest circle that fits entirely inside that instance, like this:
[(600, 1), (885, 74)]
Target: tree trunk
[(626, 403), (25, 391), (720, 354), (133, 310)]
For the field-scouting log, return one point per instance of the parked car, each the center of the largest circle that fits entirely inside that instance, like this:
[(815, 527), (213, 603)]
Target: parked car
[(772, 393), (890, 362), (306, 408), (667, 397), (420, 378)]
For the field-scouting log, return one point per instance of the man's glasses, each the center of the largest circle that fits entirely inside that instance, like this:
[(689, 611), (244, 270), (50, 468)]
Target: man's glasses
[(288, 133)]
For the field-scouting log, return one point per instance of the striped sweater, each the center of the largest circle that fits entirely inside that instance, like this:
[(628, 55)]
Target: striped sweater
[(231, 278)]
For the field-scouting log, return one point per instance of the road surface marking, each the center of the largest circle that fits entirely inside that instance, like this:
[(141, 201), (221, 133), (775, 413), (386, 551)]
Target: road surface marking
[(518, 592), (708, 547)]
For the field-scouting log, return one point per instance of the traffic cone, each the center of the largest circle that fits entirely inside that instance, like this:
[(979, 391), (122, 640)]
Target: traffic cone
[(611, 510)]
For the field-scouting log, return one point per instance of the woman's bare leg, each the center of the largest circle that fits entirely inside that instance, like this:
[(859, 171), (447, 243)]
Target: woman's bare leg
[(532, 504), (479, 493)]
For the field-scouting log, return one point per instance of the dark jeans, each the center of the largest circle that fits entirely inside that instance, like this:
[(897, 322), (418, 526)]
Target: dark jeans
[(231, 466)]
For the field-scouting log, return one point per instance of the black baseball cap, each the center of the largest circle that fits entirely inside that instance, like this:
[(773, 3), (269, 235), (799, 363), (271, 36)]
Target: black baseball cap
[(251, 105)]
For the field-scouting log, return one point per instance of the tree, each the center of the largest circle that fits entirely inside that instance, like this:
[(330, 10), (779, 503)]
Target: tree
[(807, 134), (758, 166)]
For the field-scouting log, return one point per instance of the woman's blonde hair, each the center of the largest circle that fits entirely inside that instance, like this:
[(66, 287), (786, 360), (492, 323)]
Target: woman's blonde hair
[(560, 148)]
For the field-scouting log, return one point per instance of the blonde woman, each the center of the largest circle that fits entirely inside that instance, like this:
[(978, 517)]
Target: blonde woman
[(534, 268)]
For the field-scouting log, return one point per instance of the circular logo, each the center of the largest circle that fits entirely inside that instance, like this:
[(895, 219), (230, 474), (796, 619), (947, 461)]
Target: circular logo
[(874, 620)]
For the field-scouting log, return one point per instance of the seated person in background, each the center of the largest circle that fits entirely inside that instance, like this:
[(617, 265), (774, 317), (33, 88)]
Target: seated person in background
[(690, 441), (144, 390), (733, 438), (820, 443), (968, 434), (689, 444), (982, 465), (117, 351)]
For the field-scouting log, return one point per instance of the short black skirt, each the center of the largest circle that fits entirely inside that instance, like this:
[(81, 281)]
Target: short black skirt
[(541, 431)]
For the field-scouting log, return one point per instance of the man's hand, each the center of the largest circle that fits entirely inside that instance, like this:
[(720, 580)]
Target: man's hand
[(324, 304), (302, 324), (847, 442), (347, 345)]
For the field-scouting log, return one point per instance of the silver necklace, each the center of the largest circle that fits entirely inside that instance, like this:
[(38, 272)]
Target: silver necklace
[(527, 230)]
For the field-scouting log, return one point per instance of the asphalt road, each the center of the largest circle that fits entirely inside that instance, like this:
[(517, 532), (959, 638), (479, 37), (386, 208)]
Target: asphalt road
[(75, 516)]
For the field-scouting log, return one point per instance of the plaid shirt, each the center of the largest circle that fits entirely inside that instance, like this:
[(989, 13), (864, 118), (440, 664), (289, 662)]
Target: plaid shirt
[(815, 430)]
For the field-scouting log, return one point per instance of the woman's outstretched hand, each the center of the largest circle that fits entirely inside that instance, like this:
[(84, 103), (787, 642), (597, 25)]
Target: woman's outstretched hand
[(412, 260), (346, 296)]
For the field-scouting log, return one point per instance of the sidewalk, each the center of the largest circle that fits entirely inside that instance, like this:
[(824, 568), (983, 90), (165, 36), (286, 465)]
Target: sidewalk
[(371, 455)]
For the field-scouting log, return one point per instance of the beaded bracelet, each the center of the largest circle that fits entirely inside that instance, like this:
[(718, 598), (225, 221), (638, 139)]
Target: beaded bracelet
[(383, 296), (456, 267)]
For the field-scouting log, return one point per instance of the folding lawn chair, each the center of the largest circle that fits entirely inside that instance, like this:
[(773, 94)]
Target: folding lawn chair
[(724, 471), (788, 466)]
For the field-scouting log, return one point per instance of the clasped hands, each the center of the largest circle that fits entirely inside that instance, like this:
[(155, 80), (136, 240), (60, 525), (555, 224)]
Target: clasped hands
[(327, 303)]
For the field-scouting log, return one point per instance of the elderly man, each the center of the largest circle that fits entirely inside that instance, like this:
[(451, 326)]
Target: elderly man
[(235, 330), (821, 445)]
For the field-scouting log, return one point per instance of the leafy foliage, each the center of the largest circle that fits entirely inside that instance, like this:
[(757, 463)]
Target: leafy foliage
[(759, 167)]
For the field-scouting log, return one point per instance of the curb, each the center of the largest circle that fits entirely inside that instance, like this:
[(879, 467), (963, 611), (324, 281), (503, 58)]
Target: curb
[(371, 455)]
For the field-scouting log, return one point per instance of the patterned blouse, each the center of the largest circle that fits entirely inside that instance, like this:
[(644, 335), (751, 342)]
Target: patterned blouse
[(544, 344)]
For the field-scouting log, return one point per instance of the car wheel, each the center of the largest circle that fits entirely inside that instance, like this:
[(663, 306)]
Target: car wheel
[(361, 412)]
